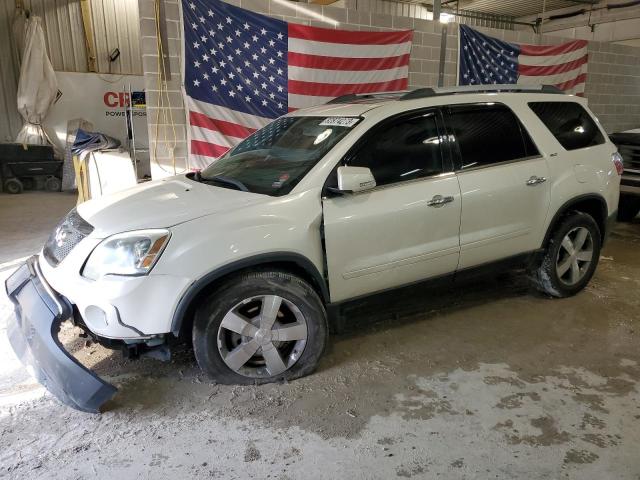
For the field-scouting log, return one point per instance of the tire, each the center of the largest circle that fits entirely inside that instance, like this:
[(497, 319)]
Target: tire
[(52, 184), (628, 208), (13, 186), (222, 346), (551, 277)]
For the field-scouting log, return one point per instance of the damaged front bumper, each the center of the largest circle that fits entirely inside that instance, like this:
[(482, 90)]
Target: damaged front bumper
[(33, 334)]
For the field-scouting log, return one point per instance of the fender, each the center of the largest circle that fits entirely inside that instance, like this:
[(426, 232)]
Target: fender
[(602, 222), (263, 259)]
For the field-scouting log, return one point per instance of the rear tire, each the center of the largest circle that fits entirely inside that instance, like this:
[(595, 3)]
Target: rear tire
[(628, 208), (571, 256), (13, 186), (233, 345)]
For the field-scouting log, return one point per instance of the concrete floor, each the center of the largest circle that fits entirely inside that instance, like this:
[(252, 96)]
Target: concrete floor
[(488, 381)]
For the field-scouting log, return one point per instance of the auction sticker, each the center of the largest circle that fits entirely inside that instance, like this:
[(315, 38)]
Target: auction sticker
[(339, 122)]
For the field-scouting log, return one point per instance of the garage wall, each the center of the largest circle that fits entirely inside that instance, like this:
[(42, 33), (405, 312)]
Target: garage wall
[(115, 24), (613, 85)]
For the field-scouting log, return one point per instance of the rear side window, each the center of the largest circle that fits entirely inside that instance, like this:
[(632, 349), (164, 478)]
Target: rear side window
[(488, 134), (572, 126), (406, 149)]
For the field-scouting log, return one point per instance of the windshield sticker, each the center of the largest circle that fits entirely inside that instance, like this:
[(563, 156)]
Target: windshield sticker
[(339, 121)]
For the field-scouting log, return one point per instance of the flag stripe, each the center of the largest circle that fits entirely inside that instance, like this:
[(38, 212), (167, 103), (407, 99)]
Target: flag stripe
[(207, 149), (226, 128), (328, 90), (206, 135), (313, 47), (569, 84), (551, 69), (552, 59), (343, 63), (233, 116), (359, 37), (297, 102), (346, 76), (546, 50), (552, 79)]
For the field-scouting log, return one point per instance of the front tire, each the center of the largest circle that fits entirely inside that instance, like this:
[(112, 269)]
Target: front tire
[(571, 256), (260, 327)]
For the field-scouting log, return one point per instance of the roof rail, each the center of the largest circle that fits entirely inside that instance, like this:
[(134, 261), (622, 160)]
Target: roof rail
[(433, 92), (352, 97), (344, 98)]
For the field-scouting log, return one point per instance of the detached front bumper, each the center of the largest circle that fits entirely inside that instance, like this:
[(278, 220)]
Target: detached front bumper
[(33, 334)]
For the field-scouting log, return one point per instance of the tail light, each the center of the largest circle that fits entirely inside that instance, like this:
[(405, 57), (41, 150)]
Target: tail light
[(616, 158)]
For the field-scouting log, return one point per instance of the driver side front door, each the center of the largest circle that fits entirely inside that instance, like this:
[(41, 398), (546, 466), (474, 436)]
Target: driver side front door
[(404, 230)]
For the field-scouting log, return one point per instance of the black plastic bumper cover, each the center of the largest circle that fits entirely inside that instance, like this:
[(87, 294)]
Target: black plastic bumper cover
[(33, 334)]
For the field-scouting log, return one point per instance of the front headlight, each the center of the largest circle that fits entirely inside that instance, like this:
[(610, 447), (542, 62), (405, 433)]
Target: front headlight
[(130, 253)]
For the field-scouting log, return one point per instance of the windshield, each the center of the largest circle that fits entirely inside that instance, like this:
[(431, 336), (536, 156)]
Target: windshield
[(274, 159)]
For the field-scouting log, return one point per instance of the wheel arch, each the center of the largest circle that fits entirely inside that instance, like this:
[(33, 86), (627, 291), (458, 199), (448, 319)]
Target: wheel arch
[(592, 204), (287, 261)]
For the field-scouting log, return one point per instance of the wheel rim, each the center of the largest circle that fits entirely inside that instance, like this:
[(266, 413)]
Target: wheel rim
[(262, 336), (574, 256)]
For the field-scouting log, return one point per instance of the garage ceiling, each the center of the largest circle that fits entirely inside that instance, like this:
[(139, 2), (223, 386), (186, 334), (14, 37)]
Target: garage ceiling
[(513, 8)]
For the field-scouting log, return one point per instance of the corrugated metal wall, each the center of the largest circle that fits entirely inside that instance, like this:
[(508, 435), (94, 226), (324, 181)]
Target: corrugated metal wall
[(10, 120), (115, 25)]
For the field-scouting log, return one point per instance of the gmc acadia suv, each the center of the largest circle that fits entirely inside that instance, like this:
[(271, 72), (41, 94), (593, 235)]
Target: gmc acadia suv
[(318, 208)]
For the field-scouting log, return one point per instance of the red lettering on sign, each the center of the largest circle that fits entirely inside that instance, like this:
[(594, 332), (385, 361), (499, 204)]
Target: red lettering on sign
[(111, 99)]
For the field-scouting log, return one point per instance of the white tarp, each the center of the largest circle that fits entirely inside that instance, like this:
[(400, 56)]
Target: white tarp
[(38, 87)]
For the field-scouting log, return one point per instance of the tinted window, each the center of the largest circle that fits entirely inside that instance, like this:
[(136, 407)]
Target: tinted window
[(572, 126), (488, 134), (406, 149)]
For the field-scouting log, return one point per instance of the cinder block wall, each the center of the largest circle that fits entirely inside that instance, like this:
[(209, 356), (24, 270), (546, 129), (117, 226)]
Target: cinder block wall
[(613, 82)]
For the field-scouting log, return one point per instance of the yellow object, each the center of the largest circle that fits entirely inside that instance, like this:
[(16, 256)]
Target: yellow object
[(82, 180)]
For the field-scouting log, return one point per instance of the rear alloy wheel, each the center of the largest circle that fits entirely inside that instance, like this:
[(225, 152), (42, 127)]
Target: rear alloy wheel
[(571, 256), (260, 327)]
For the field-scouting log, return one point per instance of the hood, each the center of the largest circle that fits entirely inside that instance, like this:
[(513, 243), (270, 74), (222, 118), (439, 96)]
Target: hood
[(161, 204)]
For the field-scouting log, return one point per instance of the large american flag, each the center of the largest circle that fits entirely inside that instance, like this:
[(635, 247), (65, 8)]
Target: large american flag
[(243, 69), (484, 60)]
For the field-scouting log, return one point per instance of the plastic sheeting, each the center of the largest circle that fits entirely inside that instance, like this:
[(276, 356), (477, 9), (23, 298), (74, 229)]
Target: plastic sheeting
[(38, 87), (92, 141)]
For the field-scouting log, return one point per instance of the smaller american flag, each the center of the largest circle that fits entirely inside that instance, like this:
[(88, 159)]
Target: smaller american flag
[(243, 69), (488, 60)]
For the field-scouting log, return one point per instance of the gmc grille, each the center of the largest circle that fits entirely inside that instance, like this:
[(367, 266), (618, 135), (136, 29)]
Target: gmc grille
[(67, 234)]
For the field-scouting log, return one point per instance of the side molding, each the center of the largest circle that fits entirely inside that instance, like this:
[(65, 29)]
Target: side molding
[(263, 259)]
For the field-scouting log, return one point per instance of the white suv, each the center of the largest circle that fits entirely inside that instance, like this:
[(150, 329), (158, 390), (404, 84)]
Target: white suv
[(320, 207)]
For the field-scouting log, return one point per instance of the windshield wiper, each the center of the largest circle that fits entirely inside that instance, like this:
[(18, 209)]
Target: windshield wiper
[(226, 181)]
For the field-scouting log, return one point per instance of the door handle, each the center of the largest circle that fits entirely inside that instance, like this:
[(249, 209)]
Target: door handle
[(534, 180), (439, 201)]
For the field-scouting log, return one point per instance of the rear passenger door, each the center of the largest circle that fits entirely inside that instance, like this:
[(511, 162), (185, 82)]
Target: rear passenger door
[(503, 183)]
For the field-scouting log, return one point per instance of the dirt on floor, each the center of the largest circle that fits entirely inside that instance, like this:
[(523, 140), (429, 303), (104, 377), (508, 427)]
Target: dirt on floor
[(487, 380)]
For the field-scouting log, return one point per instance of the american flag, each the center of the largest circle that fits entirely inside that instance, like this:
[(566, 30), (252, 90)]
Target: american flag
[(243, 69), (484, 60)]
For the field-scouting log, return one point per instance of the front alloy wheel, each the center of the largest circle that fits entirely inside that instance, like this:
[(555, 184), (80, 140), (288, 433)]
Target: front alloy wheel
[(260, 327), (262, 336)]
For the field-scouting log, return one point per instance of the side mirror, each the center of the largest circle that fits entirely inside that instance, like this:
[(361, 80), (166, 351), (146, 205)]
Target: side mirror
[(355, 179)]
